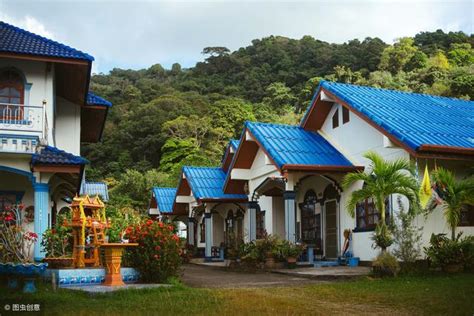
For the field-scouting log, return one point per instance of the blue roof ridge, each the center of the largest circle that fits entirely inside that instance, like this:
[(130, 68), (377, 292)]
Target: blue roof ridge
[(325, 83), (86, 56), (247, 123), (165, 188)]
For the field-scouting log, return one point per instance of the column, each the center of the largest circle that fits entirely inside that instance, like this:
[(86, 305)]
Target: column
[(191, 231), (290, 215), (41, 216), (252, 220), (208, 227)]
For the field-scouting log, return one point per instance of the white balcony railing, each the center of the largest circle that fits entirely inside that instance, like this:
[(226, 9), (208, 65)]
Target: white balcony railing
[(21, 127)]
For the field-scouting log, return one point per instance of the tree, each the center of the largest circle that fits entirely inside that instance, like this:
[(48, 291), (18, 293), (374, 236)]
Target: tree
[(394, 58), (383, 179), (454, 194), (279, 95), (216, 51)]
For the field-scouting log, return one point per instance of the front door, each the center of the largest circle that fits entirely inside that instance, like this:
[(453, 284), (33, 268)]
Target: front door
[(330, 234)]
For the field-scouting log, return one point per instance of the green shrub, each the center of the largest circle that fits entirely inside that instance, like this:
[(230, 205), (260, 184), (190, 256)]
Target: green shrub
[(157, 256), (385, 265), (407, 238), (291, 250), (444, 251), (57, 241)]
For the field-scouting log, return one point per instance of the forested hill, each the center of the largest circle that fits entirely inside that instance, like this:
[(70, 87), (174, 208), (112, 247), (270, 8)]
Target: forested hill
[(162, 119)]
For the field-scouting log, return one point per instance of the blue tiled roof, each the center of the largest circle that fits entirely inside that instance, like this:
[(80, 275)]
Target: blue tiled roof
[(16, 40), (292, 145), (415, 119), (234, 143), (208, 182), (53, 156), (93, 99), (164, 198), (95, 188)]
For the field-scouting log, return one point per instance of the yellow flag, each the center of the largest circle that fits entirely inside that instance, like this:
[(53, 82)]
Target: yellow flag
[(425, 189)]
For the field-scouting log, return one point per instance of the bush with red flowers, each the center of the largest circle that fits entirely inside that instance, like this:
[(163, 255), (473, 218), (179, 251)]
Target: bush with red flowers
[(158, 255)]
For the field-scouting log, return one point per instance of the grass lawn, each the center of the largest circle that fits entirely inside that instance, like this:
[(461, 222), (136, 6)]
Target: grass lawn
[(416, 295)]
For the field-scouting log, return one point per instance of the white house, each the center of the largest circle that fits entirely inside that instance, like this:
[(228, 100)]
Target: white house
[(291, 176), (46, 112), (293, 173)]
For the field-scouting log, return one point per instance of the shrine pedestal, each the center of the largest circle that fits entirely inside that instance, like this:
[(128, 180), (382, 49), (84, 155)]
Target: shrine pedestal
[(113, 262)]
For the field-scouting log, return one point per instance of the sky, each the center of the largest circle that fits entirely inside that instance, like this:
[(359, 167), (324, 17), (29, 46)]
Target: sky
[(137, 34)]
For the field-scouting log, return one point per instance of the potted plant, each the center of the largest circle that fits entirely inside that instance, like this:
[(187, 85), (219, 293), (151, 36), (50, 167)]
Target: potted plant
[(291, 251), (16, 243), (57, 244)]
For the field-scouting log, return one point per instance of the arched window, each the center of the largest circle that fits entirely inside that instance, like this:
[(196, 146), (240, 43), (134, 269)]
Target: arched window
[(12, 92), (310, 221), (12, 87)]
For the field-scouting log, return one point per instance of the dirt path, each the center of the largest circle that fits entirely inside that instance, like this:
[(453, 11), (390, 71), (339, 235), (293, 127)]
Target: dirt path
[(211, 277)]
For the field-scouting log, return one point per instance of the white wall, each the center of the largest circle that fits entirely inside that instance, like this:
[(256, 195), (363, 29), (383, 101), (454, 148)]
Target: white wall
[(68, 126), (356, 137)]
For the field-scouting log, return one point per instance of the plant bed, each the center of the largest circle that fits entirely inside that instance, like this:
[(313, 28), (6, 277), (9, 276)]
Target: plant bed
[(58, 263)]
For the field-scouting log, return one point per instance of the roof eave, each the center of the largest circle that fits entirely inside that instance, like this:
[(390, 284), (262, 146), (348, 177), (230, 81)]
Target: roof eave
[(424, 148), (324, 168)]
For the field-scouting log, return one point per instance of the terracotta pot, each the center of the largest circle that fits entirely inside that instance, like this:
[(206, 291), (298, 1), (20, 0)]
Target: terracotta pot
[(291, 260), (453, 268), (270, 263), (58, 263)]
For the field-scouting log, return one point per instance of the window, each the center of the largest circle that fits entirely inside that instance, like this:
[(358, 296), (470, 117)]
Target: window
[(367, 215), (310, 221), (467, 216), (335, 119), (12, 91), (261, 232), (11, 87), (345, 115), (202, 237)]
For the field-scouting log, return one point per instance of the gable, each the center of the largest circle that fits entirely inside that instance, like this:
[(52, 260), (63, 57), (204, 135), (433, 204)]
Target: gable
[(416, 122)]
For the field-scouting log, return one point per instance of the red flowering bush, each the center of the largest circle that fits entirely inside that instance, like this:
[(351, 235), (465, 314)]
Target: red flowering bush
[(157, 256)]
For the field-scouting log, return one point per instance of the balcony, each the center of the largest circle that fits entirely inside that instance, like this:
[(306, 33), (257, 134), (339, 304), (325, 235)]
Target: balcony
[(21, 127)]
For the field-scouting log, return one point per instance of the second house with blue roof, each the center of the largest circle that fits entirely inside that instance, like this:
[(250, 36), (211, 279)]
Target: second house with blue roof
[(286, 180), (46, 112)]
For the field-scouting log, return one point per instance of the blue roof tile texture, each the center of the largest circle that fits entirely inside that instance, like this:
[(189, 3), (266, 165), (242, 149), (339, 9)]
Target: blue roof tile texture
[(415, 119), (93, 99), (16, 40), (96, 188), (234, 143), (164, 198), (208, 183), (53, 156), (292, 145)]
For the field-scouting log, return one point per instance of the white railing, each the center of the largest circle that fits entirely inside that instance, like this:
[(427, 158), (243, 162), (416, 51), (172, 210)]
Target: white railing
[(22, 118), (21, 127)]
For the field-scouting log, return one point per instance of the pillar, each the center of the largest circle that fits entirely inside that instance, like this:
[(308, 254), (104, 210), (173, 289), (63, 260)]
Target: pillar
[(208, 227), (290, 215), (252, 220), (191, 231), (41, 216)]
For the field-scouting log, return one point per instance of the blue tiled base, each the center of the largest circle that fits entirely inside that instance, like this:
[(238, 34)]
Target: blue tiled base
[(91, 276), (320, 264)]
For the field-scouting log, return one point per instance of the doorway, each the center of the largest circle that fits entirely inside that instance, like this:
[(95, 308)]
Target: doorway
[(330, 229)]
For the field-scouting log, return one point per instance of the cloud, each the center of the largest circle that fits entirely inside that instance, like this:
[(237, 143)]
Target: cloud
[(137, 34), (28, 23)]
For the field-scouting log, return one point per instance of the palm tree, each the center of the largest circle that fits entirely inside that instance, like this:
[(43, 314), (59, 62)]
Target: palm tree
[(382, 179), (455, 194)]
